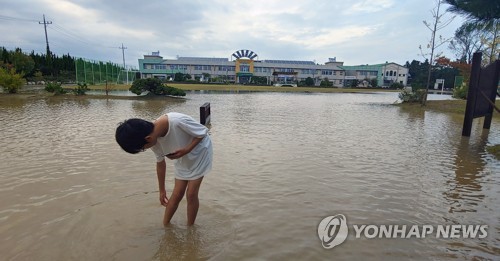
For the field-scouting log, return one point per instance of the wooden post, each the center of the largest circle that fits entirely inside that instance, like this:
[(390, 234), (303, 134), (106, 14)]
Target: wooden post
[(472, 94), (493, 94), (205, 113)]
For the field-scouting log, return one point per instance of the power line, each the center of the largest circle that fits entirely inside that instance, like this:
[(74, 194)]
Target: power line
[(9, 18), (65, 32)]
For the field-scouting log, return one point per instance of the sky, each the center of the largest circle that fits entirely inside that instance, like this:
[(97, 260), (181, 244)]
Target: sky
[(353, 31)]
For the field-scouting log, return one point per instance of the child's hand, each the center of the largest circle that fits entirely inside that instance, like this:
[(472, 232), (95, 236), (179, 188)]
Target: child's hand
[(163, 198), (176, 154)]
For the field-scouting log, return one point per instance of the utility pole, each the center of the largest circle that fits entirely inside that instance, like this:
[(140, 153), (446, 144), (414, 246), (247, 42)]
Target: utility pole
[(123, 55), (49, 60)]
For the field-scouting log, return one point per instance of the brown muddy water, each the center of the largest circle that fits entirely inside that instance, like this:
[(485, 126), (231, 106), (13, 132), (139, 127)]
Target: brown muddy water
[(282, 163)]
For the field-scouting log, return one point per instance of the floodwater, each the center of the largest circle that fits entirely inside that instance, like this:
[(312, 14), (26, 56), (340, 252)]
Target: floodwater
[(282, 163)]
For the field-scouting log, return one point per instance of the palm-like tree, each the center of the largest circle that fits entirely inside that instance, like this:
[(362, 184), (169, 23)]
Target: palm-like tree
[(484, 14), (482, 11)]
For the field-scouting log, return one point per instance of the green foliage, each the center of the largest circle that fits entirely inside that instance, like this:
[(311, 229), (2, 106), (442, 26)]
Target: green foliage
[(396, 85), (326, 83), (418, 71), (354, 83), (411, 96), (460, 92), (495, 150), (475, 10), (168, 90), (51, 67), (309, 81), (154, 86), (10, 80), (374, 82), (81, 89), (55, 88), (181, 77), (259, 80), (23, 63)]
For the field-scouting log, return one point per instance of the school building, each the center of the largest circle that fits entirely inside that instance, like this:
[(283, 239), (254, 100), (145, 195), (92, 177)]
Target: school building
[(244, 65)]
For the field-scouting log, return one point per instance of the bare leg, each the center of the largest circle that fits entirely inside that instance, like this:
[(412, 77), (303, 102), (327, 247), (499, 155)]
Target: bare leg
[(175, 198), (193, 203)]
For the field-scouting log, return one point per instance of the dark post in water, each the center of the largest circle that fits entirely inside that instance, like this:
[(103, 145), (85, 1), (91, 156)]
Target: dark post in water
[(482, 93), (205, 113)]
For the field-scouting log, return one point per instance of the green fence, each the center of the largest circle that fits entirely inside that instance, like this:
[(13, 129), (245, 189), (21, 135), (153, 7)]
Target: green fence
[(98, 72)]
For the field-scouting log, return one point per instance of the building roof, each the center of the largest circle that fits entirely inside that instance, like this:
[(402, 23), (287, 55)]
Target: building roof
[(289, 62)]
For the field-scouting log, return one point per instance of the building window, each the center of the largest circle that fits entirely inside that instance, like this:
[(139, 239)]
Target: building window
[(160, 67), (244, 68)]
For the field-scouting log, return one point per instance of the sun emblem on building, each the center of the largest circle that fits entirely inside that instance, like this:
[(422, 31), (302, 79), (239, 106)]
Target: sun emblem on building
[(244, 54)]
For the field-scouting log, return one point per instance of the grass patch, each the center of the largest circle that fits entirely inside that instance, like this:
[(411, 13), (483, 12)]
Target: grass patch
[(446, 106), (494, 150)]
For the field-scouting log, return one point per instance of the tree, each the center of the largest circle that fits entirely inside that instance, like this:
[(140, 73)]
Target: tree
[(491, 38), (480, 11), (418, 73), (206, 77), (466, 42), (326, 83), (23, 63), (309, 81), (434, 27), (354, 83), (484, 14), (10, 80), (181, 77), (154, 86)]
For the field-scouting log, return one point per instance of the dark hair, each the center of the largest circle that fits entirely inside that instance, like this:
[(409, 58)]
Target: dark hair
[(131, 134)]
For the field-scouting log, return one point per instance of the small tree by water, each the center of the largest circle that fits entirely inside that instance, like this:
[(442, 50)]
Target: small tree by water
[(154, 86), (10, 80)]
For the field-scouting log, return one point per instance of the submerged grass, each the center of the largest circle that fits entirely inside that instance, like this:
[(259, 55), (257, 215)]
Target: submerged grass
[(446, 106), (494, 150)]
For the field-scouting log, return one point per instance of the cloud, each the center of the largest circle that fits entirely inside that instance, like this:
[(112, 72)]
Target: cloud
[(369, 6), (356, 31)]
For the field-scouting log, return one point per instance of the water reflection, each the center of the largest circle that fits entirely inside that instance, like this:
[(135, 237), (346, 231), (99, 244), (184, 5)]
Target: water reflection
[(465, 189), (181, 244), (153, 108)]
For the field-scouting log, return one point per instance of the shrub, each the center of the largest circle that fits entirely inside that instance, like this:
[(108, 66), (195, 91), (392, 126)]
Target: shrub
[(396, 85), (81, 89), (55, 88), (326, 83), (155, 87), (460, 92), (309, 81), (411, 96), (10, 80)]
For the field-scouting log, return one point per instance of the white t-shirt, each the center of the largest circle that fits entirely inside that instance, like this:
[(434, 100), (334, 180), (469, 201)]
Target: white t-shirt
[(181, 131)]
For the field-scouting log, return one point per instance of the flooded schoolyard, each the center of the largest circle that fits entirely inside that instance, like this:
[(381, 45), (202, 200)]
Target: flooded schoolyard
[(282, 163)]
